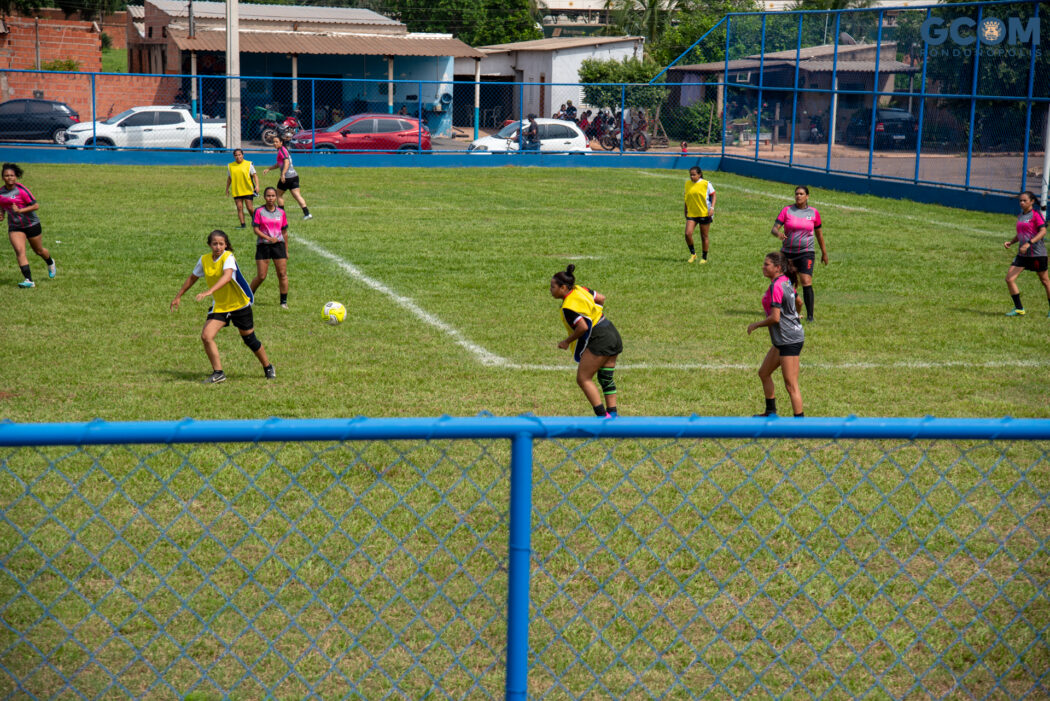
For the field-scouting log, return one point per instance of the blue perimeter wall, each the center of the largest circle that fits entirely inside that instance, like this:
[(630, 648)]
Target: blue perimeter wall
[(929, 194)]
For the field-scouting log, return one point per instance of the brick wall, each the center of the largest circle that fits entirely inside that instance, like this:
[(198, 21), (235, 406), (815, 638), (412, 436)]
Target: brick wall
[(113, 93), (114, 24), (58, 39)]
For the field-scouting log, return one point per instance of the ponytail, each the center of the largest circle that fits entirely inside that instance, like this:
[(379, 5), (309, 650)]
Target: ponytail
[(786, 266)]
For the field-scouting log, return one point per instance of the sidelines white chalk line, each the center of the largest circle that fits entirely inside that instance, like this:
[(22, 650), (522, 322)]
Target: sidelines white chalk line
[(490, 359), (829, 205)]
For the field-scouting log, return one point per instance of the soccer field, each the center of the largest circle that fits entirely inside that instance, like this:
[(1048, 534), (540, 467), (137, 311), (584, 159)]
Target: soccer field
[(445, 276)]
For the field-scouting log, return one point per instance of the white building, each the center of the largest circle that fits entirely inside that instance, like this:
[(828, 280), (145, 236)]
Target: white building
[(545, 73)]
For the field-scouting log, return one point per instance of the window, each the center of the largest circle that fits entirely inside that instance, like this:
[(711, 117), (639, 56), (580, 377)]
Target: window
[(139, 119), (542, 130), (386, 126), (559, 131), (13, 107), (406, 125), (361, 126), (171, 117), (37, 106)]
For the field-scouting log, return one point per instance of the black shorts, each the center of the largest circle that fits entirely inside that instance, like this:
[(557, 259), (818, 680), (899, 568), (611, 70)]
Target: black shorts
[(291, 183), (267, 251), (1036, 264), (803, 262), (244, 198), (700, 220), (790, 349), (30, 231), (240, 318), (605, 339)]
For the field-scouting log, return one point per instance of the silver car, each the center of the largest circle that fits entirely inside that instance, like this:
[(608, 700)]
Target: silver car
[(556, 136)]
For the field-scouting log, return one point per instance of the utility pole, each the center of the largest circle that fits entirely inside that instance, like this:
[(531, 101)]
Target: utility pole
[(233, 76)]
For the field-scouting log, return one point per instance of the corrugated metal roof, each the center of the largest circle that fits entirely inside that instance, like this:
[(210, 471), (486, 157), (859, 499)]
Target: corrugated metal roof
[(825, 66), (780, 58), (327, 43), (136, 11), (284, 13), (555, 43)]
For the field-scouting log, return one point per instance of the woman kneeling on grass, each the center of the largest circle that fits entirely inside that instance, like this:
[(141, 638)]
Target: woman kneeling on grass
[(781, 305), (595, 340), (231, 303)]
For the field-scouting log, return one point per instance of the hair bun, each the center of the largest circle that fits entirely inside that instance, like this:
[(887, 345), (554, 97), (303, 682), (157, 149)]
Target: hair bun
[(571, 268)]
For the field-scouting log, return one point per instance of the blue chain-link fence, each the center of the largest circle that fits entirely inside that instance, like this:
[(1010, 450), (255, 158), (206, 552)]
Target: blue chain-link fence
[(547, 558)]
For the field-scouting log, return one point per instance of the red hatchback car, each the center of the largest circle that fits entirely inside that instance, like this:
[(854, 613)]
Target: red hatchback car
[(366, 132)]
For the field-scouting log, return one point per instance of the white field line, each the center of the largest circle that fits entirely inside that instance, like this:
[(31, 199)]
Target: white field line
[(490, 359), (480, 354), (782, 197)]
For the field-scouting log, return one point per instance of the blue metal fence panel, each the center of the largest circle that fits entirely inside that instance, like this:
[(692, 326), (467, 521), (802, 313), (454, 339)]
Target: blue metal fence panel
[(526, 557)]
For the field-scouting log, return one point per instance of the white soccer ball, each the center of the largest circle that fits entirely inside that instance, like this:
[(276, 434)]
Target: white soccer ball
[(333, 313)]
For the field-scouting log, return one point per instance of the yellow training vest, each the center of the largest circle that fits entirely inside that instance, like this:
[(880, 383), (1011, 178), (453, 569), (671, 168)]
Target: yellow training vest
[(581, 301), (241, 184), (233, 295), (696, 198)]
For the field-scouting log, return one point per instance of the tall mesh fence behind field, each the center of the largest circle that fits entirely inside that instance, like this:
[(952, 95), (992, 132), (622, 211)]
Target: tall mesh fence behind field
[(713, 567)]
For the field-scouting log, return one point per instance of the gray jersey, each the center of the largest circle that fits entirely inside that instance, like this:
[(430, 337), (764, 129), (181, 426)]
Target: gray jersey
[(781, 294), (1028, 225)]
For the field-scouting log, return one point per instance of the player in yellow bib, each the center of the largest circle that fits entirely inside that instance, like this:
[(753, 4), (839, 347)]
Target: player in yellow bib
[(231, 304), (242, 183), (594, 340), (699, 209)]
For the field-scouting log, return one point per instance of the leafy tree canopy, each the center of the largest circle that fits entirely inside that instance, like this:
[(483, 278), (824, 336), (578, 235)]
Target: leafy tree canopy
[(630, 70)]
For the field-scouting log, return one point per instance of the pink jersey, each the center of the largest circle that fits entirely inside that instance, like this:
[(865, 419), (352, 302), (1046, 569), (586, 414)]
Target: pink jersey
[(799, 225), (1028, 225), (272, 224), (18, 196)]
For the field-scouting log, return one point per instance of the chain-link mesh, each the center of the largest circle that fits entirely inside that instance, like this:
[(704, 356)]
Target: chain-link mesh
[(661, 568)]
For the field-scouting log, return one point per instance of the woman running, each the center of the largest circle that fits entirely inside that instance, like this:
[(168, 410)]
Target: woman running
[(289, 180), (699, 209), (244, 182), (801, 225), (780, 302), (595, 341), (271, 230), (231, 304), (23, 224), (1031, 253)]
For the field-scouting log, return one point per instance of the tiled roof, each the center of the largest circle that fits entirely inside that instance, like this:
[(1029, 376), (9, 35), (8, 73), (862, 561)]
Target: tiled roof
[(555, 43), (255, 42), (807, 55), (284, 13)]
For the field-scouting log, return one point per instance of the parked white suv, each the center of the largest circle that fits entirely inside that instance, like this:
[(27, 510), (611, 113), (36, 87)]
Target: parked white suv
[(150, 127)]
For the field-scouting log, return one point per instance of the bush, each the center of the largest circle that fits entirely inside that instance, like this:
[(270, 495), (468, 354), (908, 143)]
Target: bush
[(691, 123), (107, 41), (61, 64)]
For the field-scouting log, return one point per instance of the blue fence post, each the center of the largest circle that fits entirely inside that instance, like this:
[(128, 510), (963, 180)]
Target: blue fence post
[(725, 86), (94, 114), (875, 96), (973, 95), (519, 554), (832, 101), (761, 77), (922, 104), (1028, 112), (313, 109), (794, 93), (419, 113), (623, 111)]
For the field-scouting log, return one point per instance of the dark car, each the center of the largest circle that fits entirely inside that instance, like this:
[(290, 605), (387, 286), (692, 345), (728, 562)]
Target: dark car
[(36, 119), (893, 128), (366, 132)]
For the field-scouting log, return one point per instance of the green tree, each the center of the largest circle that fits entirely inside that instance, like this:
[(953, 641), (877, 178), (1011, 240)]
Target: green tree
[(693, 19), (647, 18), (630, 70), (475, 22)]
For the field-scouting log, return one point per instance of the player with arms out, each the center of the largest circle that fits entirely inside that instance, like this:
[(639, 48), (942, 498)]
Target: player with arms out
[(1031, 253), (801, 226), (231, 304), (780, 303), (594, 340), (23, 225), (699, 210), (271, 229)]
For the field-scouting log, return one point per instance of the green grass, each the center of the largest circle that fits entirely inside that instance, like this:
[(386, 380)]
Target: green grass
[(909, 311), (114, 60), (659, 567)]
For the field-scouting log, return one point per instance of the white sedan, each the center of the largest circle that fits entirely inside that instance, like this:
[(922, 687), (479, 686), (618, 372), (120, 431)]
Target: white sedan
[(556, 136)]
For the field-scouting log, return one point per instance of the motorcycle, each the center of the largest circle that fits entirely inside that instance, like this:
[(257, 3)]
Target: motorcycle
[(816, 129), (272, 123)]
